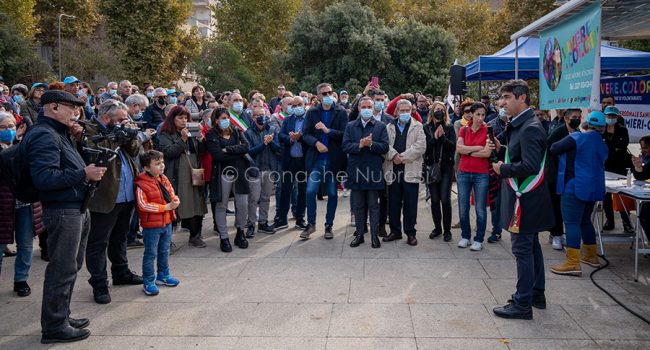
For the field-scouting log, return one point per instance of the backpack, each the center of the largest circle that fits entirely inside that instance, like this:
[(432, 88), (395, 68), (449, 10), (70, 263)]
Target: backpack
[(15, 173)]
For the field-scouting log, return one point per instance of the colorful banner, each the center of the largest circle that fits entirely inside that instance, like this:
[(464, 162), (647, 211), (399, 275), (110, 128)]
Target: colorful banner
[(632, 97), (569, 62)]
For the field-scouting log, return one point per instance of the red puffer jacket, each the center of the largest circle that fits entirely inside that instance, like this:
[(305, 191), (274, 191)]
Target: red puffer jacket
[(150, 201)]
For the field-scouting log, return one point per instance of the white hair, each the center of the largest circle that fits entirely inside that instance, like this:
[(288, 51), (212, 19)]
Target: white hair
[(6, 115), (403, 102), (137, 99), (110, 107)]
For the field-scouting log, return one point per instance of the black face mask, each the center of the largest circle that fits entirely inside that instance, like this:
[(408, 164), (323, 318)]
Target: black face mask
[(574, 123), (439, 115), (161, 101)]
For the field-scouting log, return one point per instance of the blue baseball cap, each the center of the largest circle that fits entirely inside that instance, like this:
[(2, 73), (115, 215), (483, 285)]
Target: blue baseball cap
[(596, 118), (38, 85), (171, 92), (70, 80), (611, 110)]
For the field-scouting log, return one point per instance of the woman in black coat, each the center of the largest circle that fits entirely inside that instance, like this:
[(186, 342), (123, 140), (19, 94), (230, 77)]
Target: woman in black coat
[(230, 164), (441, 147)]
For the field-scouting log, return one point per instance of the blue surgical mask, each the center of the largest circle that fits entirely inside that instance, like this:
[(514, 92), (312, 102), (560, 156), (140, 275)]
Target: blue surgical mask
[(8, 135), (610, 121), (238, 106), (290, 110), (224, 123), (344, 100), (379, 105), (366, 114), (173, 100), (404, 117), (328, 100), (18, 99), (137, 116), (209, 123), (112, 92), (299, 111), (305, 100), (150, 94)]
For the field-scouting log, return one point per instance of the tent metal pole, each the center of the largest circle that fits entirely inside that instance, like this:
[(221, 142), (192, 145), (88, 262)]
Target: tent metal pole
[(479, 85), (517, 58)]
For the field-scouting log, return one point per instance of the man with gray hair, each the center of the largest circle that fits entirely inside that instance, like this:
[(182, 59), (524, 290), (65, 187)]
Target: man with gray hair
[(113, 203), (125, 89), (111, 91), (154, 115)]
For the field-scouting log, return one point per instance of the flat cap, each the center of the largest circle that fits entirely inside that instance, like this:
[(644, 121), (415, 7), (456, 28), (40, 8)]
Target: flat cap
[(57, 96)]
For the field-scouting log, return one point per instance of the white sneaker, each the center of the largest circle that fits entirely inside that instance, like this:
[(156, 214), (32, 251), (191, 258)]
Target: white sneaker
[(557, 243), (476, 246), (463, 243), (346, 192)]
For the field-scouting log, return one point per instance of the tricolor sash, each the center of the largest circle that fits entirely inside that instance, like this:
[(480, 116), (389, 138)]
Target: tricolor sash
[(237, 121), (529, 184), (281, 116)]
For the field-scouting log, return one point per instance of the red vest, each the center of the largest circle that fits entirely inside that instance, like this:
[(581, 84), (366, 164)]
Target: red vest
[(149, 185)]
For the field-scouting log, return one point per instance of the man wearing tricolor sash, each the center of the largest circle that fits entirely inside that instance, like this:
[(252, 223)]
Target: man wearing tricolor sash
[(525, 199), (236, 113)]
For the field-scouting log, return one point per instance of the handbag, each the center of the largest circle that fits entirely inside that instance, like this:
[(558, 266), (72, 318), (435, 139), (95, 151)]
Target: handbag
[(433, 173), (198, 175)]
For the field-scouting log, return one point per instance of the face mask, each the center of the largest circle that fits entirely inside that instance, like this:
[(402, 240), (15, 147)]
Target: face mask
[(80, 93), (366, 113), (502, 114), (261, 120), (161, 101), (574, 123), (344, 100), (328, 100), (379, 105), (112, 92), (290, 110), (18, 99), (150, 94), (610, 121), (8, 135), (209, 123), (299, 111), (238, 106), (137, 116), (404, 117), (224, 123), (439, 115), (305, 100), (173, 100)]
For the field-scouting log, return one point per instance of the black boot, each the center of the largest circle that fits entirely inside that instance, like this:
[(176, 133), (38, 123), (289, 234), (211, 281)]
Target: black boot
[(374, 241), (225, 245), (240, 239)]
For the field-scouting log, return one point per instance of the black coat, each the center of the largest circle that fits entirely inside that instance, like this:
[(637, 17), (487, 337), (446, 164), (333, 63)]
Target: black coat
[(526, 141), (236, 153), (338, 122), (618, 159), (365, 166), (447, 143), (289, 125)]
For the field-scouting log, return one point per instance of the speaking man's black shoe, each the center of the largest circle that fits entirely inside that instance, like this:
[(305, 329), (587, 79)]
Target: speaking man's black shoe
[(513, 311), (357, 241), (78, 322), (67, 335)]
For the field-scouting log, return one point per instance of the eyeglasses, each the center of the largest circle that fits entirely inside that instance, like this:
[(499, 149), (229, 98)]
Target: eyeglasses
[(5, 127), (466, 111), (327, 93)]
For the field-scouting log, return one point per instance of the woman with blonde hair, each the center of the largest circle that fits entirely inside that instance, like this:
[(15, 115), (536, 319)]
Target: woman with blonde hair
[(439, 167)]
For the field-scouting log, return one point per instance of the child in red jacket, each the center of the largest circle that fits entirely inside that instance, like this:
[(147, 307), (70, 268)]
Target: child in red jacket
[(156, 202)]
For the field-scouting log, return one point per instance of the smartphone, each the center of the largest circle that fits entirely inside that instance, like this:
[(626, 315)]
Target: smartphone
[(491, 134), (374, 81)]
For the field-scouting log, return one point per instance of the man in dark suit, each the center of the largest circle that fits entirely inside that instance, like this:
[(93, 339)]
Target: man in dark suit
[(365, 141), (525, 199), (293, 165), (323, 133)]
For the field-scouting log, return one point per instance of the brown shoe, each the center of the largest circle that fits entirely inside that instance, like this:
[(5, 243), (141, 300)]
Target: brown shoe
[(456, 225), (197, 242), (392, 237), (411, 240)]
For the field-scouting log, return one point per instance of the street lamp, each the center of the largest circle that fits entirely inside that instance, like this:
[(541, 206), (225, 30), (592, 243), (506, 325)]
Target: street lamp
[(60, 63)]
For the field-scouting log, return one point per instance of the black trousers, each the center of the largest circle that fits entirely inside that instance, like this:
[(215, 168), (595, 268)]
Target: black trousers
[(608, 207), (366, 203), (558, 229), (294, 174), (530, 267), (383, 206), (403, 196), (194, 224), (108, 238), (441, 198)]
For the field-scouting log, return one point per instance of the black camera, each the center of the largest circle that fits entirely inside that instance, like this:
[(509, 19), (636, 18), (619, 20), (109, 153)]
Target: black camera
[(119, 134)]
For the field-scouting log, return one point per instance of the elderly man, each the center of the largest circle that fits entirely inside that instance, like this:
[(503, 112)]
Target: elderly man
[(125, 89), (111, 91), (71, 85), (113, 204), (61, 177), (238, 116), (403, 168), (365, 141), (324, 160), (154, 114)]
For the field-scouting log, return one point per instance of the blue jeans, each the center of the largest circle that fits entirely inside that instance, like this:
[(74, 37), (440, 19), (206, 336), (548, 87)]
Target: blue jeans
[(319, 173), (24, 243), (156, 246), (466, 183), (577, 220)]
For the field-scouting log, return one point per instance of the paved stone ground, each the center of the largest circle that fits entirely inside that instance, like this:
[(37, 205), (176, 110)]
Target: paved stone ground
[(287, 293)]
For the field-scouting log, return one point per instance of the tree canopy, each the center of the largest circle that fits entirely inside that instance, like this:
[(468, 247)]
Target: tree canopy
[(220, 68), (19, 61)]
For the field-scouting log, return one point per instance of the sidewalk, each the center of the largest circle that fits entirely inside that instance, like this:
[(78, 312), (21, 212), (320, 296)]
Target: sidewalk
[(286, 293)]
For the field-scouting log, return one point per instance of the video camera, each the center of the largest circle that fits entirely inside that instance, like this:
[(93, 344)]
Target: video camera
[(99, 156), (119, 134)]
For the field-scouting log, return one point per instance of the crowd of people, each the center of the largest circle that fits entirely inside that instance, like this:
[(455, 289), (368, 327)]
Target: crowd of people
[(123, 167)]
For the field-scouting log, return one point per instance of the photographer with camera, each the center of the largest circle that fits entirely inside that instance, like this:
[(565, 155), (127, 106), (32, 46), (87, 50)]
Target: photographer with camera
[(113, 203), (61, 177)]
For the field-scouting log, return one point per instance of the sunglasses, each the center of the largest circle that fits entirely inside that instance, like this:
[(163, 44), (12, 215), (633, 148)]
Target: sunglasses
[(327, 93), (467, 111)]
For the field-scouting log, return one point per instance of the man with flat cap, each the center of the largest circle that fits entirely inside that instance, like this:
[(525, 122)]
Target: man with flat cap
[(61, 177)]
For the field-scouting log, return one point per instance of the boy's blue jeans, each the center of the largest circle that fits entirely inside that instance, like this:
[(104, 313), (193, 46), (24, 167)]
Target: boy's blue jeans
[(156, 245)]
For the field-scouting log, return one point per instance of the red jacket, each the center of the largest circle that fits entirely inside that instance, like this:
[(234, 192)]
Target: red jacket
[(150, 201), (206, 158)]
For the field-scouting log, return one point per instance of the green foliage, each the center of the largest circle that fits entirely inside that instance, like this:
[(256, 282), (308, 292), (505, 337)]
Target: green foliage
[(387, 10), (517, 14), (91, 58), (257, 29), (18, 59), (220, 68), (151, 43), (47, 12), (21, 15), (346, 45), (640, 45)]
